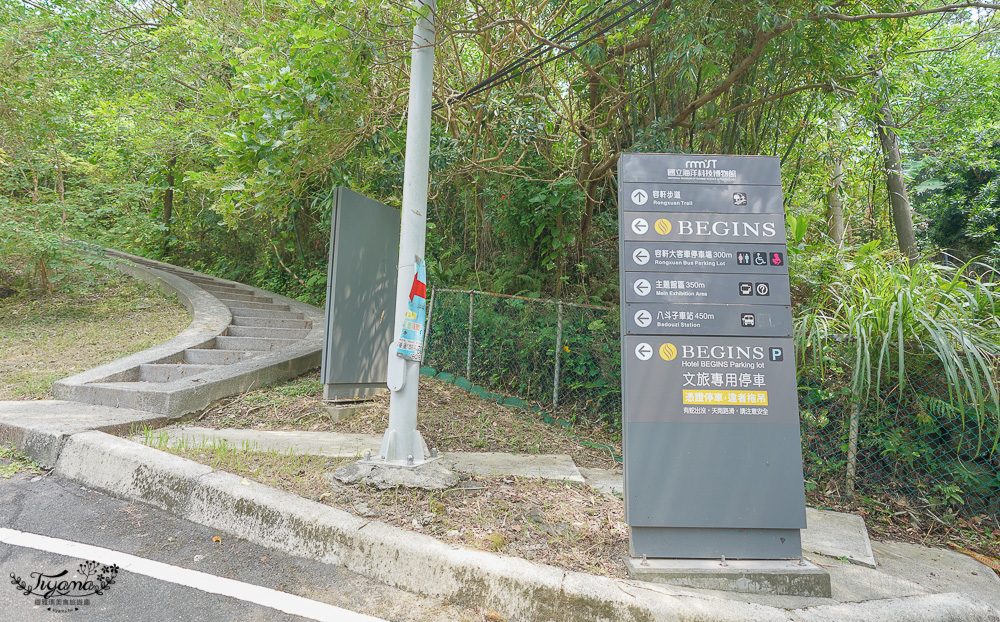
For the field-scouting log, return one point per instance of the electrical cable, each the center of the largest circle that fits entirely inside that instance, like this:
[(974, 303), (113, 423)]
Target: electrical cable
[(517, 68), (508, 73)]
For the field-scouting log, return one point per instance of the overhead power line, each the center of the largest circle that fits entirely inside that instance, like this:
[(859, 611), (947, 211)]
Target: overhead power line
[(538, 55)]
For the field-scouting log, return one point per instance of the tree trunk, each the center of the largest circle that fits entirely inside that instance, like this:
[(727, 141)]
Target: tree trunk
[(835, 207), (168, 202), (587, 182), (899, 200)]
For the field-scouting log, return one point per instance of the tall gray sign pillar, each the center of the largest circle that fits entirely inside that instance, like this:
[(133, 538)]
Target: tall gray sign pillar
[(360, 302), (713, 463)]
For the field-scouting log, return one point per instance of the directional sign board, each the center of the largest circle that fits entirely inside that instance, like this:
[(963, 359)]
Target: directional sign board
[(726, 258), (681, 197), (706, 288), (713, 462), (726, 228), (742, 320)]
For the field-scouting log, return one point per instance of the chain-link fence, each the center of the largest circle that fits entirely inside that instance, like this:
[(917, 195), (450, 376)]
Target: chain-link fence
[(915, 451), (560, 356), (918, 451)]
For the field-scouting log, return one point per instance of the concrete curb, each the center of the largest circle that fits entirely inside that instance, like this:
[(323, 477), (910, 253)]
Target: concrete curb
[(40, 428), (210, 318), (515, 588)]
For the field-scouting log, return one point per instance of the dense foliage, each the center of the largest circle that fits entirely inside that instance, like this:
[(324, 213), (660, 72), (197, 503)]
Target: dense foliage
[(211, 133)]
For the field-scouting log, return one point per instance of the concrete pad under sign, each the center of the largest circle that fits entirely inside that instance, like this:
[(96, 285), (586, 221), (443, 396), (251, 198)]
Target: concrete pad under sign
[(542, 466), (750, 576), (836, 534)]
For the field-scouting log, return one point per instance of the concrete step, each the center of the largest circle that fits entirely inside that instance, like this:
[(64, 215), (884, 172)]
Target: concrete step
[(222, 287), (237, 296), (206, 283), (240, 297), (253, 344), (205, 356), (168, 372), (266, 313), (269, 333), (264, 322), (240, 304)]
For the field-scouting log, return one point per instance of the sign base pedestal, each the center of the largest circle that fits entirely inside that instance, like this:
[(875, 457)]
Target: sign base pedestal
[(792, 577)]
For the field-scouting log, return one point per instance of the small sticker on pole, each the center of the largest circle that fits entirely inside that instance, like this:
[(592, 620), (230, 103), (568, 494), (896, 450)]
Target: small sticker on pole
[(411, 340)]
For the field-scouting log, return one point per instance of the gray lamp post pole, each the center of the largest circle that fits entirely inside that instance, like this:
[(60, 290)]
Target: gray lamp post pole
[(402, 439)]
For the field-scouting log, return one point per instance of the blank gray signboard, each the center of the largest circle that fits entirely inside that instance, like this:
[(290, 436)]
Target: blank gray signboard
[(360, 295)]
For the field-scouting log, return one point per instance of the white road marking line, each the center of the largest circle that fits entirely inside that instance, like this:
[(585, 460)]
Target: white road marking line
[(288, 603)]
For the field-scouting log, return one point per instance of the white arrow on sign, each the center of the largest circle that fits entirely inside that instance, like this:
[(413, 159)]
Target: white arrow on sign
[(644, 352), (641, 287), (640, 226), (639, 197), (640, 256), (643, 318)]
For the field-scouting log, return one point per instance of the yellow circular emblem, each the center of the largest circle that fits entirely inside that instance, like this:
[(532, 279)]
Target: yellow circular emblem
[(668, 352), (663, 226)]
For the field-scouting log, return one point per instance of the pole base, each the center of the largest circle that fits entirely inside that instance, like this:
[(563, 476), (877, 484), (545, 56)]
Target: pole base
[(428, 474)]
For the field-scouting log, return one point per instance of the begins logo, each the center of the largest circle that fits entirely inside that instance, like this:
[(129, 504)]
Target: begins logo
[(668, 352), (663, 226)]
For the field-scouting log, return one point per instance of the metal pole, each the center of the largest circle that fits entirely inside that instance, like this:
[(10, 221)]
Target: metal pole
[(468, 358), (555, 378), (402, 439)]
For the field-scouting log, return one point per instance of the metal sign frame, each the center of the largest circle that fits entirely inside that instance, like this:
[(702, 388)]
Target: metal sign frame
[(712, 450)]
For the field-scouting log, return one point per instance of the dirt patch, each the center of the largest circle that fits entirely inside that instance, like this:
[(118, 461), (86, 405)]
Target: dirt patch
[(563, 524), (448, 417), (567, 525)]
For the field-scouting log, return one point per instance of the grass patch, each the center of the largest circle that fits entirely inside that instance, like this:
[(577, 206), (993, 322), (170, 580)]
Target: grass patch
[(91, 319), (12, 463)]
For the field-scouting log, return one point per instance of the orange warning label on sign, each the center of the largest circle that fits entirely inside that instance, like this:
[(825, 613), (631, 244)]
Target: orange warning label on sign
[(726, 398)]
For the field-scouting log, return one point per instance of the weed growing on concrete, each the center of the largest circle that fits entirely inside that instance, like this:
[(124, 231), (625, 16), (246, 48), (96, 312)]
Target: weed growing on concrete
[(12, 462)]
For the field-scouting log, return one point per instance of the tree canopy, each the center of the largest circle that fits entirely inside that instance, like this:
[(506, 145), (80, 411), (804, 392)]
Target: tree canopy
[(212, 132)]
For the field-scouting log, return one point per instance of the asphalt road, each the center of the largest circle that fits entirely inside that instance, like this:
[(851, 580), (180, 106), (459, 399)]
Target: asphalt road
[(163, 588)]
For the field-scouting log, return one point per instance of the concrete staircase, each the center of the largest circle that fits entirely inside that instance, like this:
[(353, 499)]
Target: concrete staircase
[(240, 337)]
